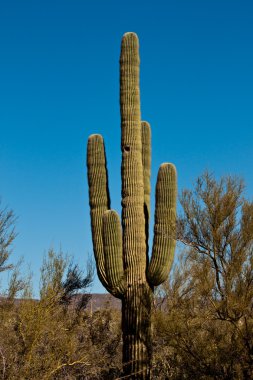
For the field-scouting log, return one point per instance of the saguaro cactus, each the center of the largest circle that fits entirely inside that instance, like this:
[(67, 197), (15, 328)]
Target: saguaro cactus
[(121, 247)]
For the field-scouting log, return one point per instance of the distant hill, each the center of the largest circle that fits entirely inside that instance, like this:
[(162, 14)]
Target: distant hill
[(96, 302), (101, 301)]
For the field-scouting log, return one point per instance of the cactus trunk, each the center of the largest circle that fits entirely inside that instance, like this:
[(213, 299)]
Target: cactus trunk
[(137, 337), (121, 250)]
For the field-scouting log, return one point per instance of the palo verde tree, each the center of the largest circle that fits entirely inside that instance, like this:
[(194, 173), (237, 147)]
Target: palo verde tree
[(216, 296), (204, 318), (121, 250), (7, 235), (50, 338)]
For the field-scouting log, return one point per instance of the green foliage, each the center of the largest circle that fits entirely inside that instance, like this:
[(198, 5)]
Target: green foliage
[(205, 331), (56, 337), (7, 235)]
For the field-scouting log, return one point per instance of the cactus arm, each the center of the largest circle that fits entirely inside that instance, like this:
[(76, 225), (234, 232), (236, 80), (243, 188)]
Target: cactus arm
[(165, 225), (98, 197), (146, 163), (113, 255)]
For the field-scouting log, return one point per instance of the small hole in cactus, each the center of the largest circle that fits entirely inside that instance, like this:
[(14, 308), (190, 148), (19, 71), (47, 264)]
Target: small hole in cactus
[(127, 148)]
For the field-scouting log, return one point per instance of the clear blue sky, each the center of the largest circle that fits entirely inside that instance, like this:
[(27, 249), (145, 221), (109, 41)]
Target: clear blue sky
[(59, 83)]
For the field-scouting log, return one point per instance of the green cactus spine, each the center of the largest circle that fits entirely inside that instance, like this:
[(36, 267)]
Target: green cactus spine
[(121, 248)]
